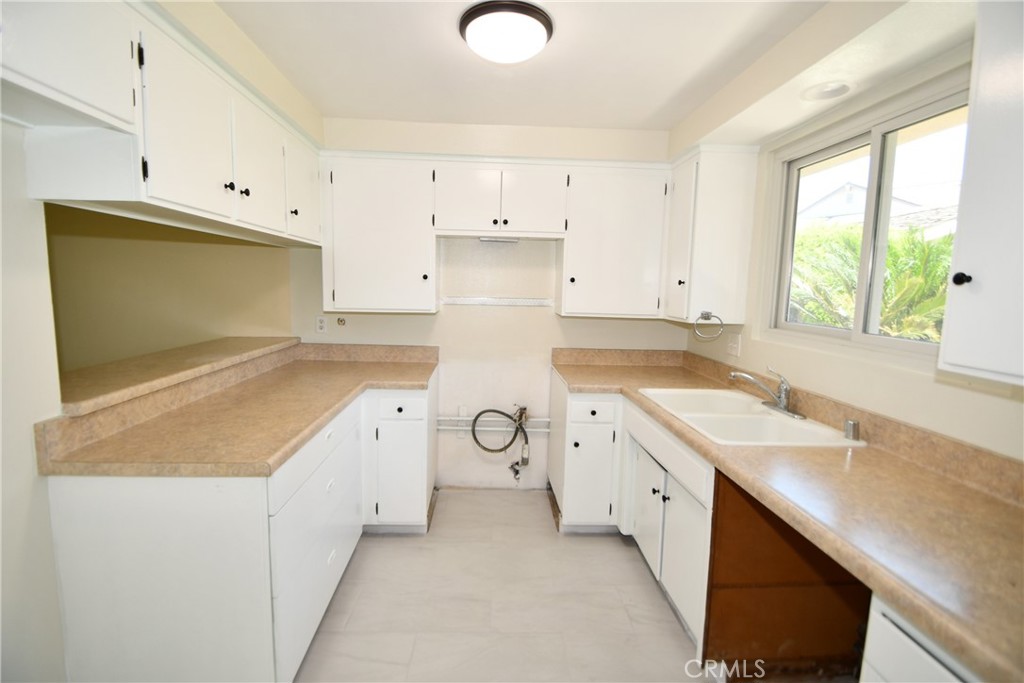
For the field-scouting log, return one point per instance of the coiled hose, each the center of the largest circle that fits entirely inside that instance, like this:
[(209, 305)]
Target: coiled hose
[(518, 421)]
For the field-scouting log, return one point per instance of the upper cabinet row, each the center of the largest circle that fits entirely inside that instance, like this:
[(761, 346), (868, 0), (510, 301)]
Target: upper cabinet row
[(625, 234), (125, 117)]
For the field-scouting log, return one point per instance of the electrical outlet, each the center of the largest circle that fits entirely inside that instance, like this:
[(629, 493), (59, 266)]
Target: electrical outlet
[(321, 324), (732, 345)]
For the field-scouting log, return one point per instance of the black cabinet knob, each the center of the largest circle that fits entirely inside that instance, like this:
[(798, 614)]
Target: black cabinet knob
[(575, 444), (230, 186), (655, 492), (399, 408), (245, 192), (295, 212), (593, 413), (682, 282), (504, 221), (665, 499), (961, 278), (572, 279), (495, 221), (424, 276)]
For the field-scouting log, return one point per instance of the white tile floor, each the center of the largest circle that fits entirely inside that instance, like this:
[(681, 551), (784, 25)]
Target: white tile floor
[(494, 593)]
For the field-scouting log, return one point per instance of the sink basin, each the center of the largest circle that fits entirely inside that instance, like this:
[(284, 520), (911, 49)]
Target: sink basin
[(734, 418)]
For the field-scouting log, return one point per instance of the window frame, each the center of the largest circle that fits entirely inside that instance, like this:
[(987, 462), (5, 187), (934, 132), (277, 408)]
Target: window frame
[(835, 140)]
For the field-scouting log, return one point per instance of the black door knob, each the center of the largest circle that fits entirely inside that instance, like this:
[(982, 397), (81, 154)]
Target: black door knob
[(504, 221), (572, 279), (399, 408), (575, 444), (295, 212), (230, 186), (424, 276), (245, 192), (961, 278), (593, 412), (665, 499), (495, 221), (682, 282), (655, 492)]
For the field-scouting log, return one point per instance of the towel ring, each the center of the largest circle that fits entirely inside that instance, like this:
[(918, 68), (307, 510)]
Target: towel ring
[(708, 315)]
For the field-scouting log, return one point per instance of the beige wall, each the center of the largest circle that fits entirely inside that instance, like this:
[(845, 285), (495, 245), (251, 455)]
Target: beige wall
[(32, 647), (123, 288), (490, 356)]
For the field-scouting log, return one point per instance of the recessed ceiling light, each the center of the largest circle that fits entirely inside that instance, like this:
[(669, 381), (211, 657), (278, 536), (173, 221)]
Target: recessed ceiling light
[(826, 91), (506, 31)]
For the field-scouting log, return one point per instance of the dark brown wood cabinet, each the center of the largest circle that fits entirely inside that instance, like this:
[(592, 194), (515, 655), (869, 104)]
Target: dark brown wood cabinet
[(775, 596)]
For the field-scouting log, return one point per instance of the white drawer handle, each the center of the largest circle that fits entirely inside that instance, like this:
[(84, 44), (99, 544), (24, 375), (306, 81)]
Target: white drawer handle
[(329, 435), (330, 485), (330, 558)]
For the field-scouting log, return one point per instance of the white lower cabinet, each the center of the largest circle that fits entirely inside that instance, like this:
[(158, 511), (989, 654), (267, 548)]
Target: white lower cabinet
[(895, 651), (672, 489), (582, 456), (400, 457), (205, 578)]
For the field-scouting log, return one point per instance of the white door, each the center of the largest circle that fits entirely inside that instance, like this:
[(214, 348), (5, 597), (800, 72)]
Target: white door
[(188, 129), (984, 319), (685, 555), (302, 189), (467, 197), (533, 199), (80, 50), (383, 243), (648, 488), (401, 470), (259, 167), (680, 238), (589, 460), (613, 244)]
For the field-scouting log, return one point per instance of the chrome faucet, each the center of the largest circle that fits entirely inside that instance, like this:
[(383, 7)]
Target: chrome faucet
[(780, 399)]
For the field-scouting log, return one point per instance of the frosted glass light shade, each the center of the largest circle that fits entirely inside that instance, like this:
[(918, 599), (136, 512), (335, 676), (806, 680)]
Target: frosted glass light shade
[(505, 32)]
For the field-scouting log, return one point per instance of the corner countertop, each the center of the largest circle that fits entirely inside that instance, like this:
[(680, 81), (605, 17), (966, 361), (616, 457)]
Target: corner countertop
[(248, 429), (946, 556)]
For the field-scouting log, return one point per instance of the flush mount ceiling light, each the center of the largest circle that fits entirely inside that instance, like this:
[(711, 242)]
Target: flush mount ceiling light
[(825, 91), (506, 31)]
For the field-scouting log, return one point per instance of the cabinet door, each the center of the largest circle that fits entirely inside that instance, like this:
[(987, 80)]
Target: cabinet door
[(981, 334), (383, 243), (302, 188), (187, 111), (612, 260), (679, 239), (533, 199), (79, 53), (467, 197), (401, 471), (589, 463), (258, 167), (648, 488), (684, 562)]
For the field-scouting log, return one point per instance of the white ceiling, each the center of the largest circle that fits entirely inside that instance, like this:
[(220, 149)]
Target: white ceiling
[(620, 65)]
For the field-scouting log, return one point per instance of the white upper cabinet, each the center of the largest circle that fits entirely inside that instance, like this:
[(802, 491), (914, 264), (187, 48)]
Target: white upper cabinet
[(984, 319), (187, 129), (259, 172), (482, 198), (380, 255), (612, 250), (302, 188), (80, 55), (708, 240)]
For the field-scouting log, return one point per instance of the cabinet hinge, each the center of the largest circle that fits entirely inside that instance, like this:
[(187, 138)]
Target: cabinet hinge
[(433, 176), (666, 189), (609, 509), (567, 180), (432, 217), (659, 303), (141, 55), (145, 169), (332, 177), (376, 433), (332, 296), (133, 98), (376, 508), (613, 436), (566, 223)]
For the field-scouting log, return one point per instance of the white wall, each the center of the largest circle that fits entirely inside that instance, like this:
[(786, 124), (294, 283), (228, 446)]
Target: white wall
[(32, 641), (490, 356)]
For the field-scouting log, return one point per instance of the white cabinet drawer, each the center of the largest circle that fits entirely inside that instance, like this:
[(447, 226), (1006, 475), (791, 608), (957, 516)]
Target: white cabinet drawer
[(403, 409), (891, 654), (291, 475), (591, 411)]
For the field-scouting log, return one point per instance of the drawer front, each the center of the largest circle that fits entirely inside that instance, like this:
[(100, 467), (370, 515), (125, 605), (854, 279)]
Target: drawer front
[(584, 411), (298, 468), (894, 656), (402, 408), (298, 529)]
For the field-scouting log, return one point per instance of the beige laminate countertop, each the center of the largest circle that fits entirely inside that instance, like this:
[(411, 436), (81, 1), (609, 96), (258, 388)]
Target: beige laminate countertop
[(248, 429), (946, 556)]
